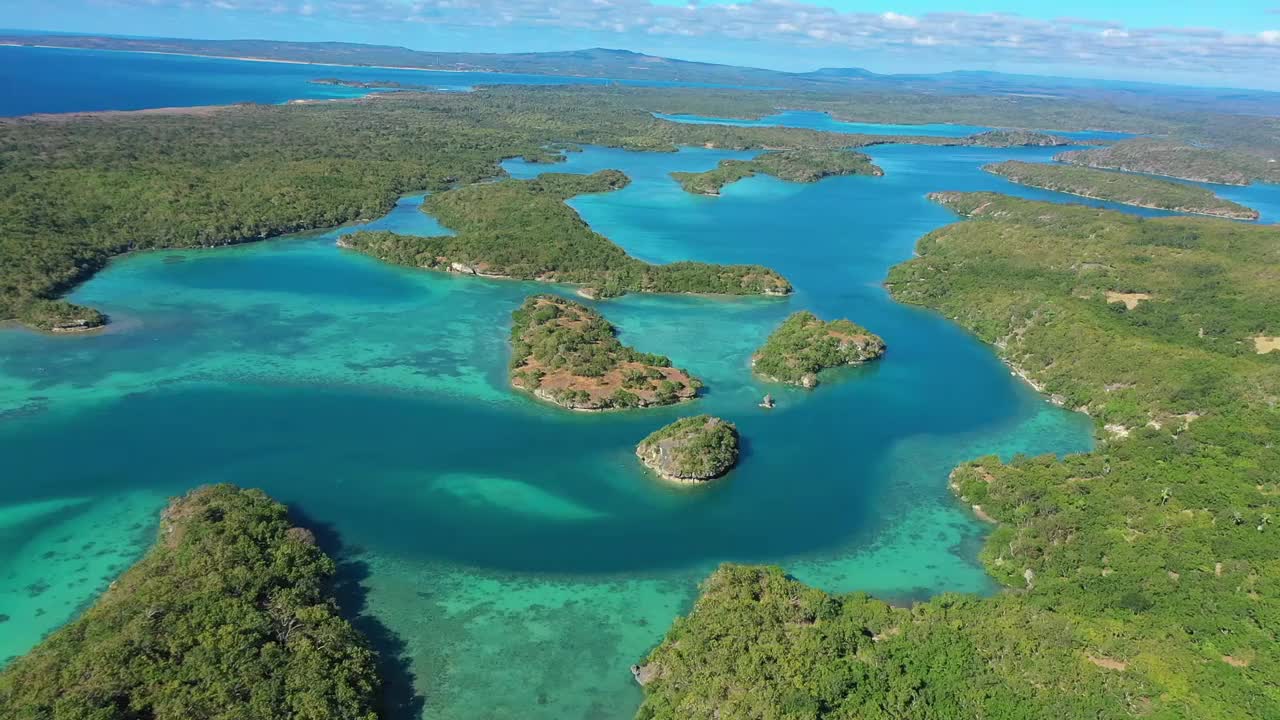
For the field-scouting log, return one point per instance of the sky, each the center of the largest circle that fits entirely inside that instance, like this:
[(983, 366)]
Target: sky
[(1231, 43)]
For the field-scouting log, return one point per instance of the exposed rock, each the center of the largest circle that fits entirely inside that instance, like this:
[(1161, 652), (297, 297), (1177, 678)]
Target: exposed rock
[(645, 674), (691, 450)]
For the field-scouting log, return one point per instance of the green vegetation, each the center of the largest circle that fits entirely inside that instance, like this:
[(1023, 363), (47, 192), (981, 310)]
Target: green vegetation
[(1141, 578), (691, 450), (804, 346), (760, 645), (1124, 188), (1017, 138), (1224, 164), (566, 353), (794, 165), (226, 617), (523, 229), (77, 190), (59, 316)]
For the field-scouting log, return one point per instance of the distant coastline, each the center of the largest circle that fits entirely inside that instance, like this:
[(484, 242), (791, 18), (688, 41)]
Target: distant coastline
[(283, 62)]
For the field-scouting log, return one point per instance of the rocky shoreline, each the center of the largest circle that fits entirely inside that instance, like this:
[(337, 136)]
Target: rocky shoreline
[(691, 450)]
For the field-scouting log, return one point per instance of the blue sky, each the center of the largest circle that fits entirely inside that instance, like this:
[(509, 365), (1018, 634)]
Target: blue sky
[(1227, 43)]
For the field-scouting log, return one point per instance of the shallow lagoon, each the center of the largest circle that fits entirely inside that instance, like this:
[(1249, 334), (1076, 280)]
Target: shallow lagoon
[(516, 554)]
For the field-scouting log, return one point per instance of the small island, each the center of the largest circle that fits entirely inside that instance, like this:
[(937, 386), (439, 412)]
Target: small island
[(370, 84), (691, 450), (59, 316), (1124, 188), (803, 346), (1017, 138), (566, 353), (523, 229), (804, 166)]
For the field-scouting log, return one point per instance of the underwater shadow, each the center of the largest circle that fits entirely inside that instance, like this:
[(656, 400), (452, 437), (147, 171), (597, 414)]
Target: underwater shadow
[(398, 699)]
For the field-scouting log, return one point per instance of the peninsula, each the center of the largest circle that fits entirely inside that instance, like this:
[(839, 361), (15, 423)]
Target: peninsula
[(803, 346), (804, 166), (523, 229), (1125, 188), (227, 615), (691, 450), (1222, 165), (566, 353)]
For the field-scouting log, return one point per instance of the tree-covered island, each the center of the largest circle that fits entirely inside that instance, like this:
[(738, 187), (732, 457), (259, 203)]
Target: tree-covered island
[(567, 354), (804, 166), (691, 450), (1125, 188), (803, 346), (227, 616), (1003, 138)]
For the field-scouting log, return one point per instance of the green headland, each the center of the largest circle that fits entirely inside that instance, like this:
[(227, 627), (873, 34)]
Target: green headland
[(1125, 188)]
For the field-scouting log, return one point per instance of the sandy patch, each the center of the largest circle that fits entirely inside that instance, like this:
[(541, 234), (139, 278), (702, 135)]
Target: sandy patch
[(1130, 300), (1264, 344), (1108, 663), (1235, 661)]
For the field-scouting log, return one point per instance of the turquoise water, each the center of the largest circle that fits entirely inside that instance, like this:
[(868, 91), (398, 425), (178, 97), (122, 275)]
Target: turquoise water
[(55, 80), (1263, 197), (515, 556), (822, 121)]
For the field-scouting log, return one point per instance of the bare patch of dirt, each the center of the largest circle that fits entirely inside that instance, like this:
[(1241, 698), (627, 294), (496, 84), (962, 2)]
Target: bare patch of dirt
[(1263, 344), (1108, 663), (1130, 300)]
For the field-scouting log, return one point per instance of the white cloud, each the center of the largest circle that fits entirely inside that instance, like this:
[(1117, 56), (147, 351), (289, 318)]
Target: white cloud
[(948, 37), (893, 19)]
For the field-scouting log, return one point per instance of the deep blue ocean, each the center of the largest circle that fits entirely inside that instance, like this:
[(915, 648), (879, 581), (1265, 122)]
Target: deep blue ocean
[(55, 80), (515, 554)]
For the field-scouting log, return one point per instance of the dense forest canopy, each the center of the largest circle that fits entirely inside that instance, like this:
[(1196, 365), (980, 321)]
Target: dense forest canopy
[(1141, 579), (566, 353), (523, 229), (804, 345), (1225, 164), (793, 165), (1126, 188), (77, 190), (227, 617)]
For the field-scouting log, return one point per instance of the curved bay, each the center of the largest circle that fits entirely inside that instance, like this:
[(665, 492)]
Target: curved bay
[(518, 552)]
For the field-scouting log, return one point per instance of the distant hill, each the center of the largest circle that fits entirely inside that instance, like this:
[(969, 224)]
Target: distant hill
[(633, 66)]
